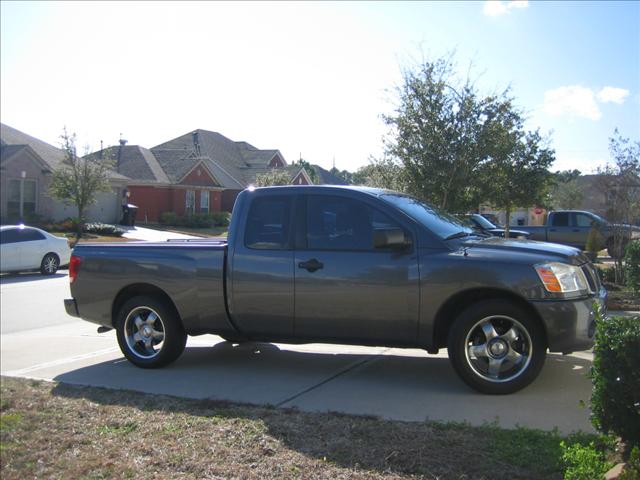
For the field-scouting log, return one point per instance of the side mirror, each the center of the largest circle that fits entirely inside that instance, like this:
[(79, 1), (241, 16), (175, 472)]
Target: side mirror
[(389, 238)]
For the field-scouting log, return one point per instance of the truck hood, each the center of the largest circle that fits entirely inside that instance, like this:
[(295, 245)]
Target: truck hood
[(542, 249)]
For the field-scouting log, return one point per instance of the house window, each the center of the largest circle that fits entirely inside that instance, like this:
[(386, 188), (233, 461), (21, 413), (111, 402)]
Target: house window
[(189, 201), (28, 198), (204, 201)]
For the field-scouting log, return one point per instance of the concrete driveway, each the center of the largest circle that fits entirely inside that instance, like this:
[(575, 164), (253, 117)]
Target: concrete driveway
[(40, 341)]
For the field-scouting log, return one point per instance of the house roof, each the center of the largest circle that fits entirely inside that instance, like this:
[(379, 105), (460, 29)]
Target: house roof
[(328, 178), (49, 154), (137, 163)]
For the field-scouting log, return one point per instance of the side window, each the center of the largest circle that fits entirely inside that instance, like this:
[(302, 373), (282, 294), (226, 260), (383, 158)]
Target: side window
[(28, 235), (338, 223), (560, 219), (268, 224), (9, 236), (583, 220)]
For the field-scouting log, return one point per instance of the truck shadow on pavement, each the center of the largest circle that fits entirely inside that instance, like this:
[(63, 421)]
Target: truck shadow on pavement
[(395, 387)]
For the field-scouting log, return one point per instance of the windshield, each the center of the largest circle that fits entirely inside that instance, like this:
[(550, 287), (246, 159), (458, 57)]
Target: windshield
[(483, 222), (441, 223)]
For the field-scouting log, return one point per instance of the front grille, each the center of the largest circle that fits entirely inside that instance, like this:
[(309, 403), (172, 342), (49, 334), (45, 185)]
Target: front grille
[(592, 277)]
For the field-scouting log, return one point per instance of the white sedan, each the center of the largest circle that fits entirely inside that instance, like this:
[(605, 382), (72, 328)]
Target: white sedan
[(27, 248)]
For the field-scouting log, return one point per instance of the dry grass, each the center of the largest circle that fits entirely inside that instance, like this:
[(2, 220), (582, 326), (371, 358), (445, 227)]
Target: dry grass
[(61, 431)]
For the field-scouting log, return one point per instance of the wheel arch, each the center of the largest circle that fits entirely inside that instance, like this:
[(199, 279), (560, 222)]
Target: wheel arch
[(454, 305), (137, 289)]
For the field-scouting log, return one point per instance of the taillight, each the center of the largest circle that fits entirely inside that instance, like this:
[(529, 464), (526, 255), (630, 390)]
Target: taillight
[(74, 268)]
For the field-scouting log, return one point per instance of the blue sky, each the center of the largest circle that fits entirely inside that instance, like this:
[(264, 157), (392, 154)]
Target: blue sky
[(311, 78)]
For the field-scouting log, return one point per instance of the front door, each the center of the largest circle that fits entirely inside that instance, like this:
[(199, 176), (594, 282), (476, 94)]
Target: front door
[(347, 290)]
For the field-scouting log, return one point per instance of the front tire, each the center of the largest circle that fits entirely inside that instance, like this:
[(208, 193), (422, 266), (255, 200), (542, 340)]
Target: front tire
[(49, 264), (496, 347), (149, 331)]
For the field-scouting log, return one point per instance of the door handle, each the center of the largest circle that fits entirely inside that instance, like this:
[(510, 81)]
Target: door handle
[(311, 265)]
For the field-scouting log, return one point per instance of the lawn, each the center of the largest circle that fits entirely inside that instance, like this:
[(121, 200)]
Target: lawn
[(51, 430)]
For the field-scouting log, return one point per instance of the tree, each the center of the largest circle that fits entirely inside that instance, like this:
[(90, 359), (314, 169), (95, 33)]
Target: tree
[(273, 177), (566, 193), (441, 132), (518, 173), (619, 182), (80, 178), (382, 173)]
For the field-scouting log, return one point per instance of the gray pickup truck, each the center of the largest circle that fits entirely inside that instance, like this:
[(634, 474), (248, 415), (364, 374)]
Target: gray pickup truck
[(345, 265), (572, 227)]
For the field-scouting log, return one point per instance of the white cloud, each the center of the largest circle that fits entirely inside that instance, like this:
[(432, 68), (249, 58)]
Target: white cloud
[(613, 94), (493, 8), (572, 100)]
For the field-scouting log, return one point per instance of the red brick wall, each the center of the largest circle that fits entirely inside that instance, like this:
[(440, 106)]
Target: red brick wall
[(228, 199), (276, 162), (152, 201), (204, 179)]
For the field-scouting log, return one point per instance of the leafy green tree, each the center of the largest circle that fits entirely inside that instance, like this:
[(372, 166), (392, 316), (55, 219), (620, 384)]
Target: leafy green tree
[(383, 173), (80, 179), (442, 132), (565, 192), (518, 173), (273, 177)]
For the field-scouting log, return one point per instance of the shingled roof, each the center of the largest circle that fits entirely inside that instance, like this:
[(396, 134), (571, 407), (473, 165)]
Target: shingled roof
[(135, 162), (49, 154)]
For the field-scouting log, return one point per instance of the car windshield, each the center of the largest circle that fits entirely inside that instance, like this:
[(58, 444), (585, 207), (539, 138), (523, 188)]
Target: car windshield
[(441, 223), (483, 222)]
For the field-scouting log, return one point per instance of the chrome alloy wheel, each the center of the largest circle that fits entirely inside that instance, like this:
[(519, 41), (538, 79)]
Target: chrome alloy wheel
[(50, 264), (498, 348), (144, 332)]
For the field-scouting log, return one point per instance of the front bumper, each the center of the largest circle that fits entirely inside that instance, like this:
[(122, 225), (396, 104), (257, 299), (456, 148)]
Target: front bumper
[(71, 307), (570, 324)]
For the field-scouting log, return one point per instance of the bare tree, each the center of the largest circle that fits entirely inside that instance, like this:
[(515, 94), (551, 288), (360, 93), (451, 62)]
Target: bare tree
[(80, 178), (619, 182)]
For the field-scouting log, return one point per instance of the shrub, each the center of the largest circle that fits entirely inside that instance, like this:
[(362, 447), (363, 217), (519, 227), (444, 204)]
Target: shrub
[(632, 469), (104, 229), (584, 462), (615, 400), (594, 241), (632, 266), (168, 218), (608, 275), (221, 219), (196, 220)]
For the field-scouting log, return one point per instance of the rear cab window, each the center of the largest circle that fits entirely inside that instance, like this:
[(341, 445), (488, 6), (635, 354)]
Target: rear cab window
[(268, 224)]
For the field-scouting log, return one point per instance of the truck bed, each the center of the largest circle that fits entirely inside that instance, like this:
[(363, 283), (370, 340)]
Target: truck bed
[(191, 272)]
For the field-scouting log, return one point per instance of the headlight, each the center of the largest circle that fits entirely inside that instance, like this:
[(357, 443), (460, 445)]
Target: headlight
[(561, 278)]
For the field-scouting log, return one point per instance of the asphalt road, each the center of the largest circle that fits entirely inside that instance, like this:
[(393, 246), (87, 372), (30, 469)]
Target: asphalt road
[(39, 340)]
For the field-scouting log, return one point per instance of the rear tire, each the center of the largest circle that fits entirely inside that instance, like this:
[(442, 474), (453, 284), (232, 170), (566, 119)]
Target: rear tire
[(149, 331), (496, 347), (49, 264)]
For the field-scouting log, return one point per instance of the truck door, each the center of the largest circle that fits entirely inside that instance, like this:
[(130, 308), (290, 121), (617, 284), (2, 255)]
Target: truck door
[(345, 289), (262, 287), (559, 230)]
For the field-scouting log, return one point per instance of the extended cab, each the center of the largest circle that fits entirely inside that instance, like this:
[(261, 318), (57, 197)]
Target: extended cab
[(346, 265)]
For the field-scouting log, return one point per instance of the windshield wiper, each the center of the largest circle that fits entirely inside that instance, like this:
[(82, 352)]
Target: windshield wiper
[(460, 234)]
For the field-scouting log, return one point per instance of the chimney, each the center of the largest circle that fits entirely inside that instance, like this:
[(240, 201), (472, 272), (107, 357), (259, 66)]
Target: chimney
[(122, 142), (196, 144)]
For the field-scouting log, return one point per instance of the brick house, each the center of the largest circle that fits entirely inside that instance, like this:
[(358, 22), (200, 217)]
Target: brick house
[(198, 172)]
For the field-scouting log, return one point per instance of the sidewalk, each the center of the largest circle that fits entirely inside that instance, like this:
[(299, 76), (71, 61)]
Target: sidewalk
[(150, 235)]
